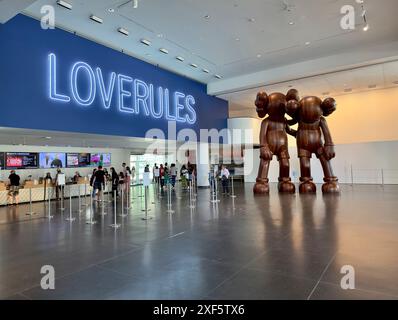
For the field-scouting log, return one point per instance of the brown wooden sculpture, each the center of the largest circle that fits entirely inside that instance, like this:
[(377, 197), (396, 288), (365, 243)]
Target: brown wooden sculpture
[(310, 113), (273, 141)]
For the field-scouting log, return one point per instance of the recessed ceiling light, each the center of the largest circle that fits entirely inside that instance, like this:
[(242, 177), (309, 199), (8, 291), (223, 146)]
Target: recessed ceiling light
[(193, 65), (207, 16), (179, 58), (48, 138), (163, 50), (307, 43), (237, 39), (291, 23), (372, 86), (146, 42), (205, 70), (64, 4), (259, 56), (123, 31), (111, 10), (251, 19), (159, 35), (217, 76), (348, 90), (96, 19)]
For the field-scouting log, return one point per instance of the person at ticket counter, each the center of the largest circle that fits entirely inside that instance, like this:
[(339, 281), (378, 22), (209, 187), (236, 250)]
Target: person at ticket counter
[(14, 183), (98, 182), (76, 177), (48, 177), (58, 187)]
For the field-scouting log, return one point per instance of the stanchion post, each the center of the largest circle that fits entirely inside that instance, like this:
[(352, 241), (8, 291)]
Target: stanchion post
[(115, 224), (169, 205), (382, 177), (191, 200), (91, 221), (122, 214), (49, 205), (352, 176), (70, 218), (30, 203), (232, 187), (80, 200)]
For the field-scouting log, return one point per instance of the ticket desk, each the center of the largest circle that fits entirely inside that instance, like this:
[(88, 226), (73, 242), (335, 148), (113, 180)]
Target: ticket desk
[(45, 190)]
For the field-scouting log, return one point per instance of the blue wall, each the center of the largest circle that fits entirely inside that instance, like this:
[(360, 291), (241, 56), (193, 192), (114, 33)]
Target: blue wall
[(24, 74)]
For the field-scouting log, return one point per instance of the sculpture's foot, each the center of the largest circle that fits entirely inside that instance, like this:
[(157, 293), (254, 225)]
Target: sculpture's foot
[(261, 186), (307, 186), (330, 185), (286, 186)]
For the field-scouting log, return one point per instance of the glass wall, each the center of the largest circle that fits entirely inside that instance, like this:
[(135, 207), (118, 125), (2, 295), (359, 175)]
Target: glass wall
[(140, 161)]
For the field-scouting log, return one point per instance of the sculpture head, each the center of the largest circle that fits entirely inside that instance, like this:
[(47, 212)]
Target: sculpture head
[(310, 109), (274, 105)]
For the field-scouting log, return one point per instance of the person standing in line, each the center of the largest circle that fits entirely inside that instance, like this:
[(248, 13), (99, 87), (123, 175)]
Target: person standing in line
[(184, 175), (173, 174), (156, 174), (127, 179), (59, 189), (14, 183), (115, 182), (161, 175), (98, 182), (224, 179), (121, 181)]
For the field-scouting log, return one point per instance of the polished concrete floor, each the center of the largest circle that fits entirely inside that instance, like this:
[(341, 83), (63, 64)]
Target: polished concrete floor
[(275, 247)]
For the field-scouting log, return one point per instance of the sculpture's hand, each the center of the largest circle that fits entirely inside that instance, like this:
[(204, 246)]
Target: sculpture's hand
[(291, 131), (329, 152), (265, 153)]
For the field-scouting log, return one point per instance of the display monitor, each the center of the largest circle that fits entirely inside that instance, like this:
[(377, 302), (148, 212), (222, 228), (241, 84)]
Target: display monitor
[(52, 160), (84, 159), (21, 160), (72, 160), (100, 159)]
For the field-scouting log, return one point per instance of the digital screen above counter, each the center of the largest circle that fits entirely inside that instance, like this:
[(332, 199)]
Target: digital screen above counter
[(52, 160), (21, 160), (76, 160), (2, 161), (100, 159)]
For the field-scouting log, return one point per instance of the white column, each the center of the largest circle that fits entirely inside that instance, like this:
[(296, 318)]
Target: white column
[(203, 166)]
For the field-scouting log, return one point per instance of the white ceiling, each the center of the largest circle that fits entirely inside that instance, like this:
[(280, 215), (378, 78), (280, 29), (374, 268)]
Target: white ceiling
[(14, 136), (383, 75), (239, 37)]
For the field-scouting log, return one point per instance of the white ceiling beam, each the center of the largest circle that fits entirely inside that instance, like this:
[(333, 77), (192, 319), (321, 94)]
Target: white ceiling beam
[(339, 62), (10, 8)]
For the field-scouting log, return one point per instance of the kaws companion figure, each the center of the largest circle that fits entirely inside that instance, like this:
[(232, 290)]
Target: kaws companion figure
[(273, 141), (310, 113)]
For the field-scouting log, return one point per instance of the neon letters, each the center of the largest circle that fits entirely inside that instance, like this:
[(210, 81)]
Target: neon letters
[(128, 95)]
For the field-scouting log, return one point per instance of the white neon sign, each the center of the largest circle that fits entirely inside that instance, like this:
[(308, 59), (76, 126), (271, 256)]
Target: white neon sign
[(127, 95)]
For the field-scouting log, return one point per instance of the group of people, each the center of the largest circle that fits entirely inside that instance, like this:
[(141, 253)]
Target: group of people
[(120, 181), (164, 175), (99, 178), (223, 174)]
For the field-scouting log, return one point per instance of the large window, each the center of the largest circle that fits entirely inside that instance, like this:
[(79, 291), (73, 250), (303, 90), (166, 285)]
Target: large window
[(140, 161)]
